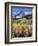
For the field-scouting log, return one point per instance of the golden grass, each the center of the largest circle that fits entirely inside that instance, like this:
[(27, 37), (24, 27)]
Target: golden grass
[(22, 28)]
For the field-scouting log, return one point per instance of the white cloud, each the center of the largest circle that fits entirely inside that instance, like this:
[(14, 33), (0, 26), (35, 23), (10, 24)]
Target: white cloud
[(27, 13), (18, 17)]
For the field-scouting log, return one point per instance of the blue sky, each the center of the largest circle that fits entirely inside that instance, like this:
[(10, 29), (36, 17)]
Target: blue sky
[(17, 10)]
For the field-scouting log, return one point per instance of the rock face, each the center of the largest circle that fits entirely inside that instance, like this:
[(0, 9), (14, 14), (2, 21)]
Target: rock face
[(22, 15)]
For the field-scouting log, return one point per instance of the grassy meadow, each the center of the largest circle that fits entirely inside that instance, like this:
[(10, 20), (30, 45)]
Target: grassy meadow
[(22, 27)]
